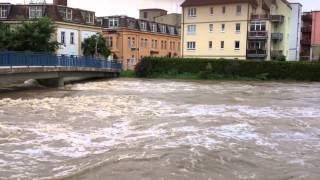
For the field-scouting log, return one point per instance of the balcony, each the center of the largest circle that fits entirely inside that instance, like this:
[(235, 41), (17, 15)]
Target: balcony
[(256, 53), (262, 35), (277, 36), (307, 17), (306, 29), (277, 18), (260, 16), (305, 42)]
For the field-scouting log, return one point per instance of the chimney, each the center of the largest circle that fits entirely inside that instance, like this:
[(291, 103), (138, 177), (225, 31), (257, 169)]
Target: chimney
[(60, 2)]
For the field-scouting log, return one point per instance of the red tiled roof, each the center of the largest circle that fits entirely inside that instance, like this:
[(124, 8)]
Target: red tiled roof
[(215, 2)]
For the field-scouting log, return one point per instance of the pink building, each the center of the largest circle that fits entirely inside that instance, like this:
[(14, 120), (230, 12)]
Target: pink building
[(310, 38)]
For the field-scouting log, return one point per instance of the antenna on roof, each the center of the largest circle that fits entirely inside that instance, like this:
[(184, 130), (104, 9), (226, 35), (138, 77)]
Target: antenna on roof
[(37, 1)]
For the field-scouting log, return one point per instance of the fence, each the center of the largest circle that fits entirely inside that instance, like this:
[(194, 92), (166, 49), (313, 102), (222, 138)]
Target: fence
[(48, 60)]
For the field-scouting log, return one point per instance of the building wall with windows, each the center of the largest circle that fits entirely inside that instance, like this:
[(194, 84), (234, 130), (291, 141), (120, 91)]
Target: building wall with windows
[(73, 25), (218, 31), (243, 29), (132, 39)]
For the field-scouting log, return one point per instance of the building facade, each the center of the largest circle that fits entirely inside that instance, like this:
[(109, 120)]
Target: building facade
[(72, 25), (238, 29), (310, 32), (161, 16), (132, 39)]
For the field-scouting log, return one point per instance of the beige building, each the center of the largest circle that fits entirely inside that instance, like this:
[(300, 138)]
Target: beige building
[(236, 29), (132, 39)]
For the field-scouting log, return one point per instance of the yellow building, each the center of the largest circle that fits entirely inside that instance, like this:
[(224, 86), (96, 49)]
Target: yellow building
[(236, 29)]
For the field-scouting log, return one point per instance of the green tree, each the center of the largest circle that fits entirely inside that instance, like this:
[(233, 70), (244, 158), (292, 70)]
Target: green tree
[(5, 36), (95, 46), (35, 36)]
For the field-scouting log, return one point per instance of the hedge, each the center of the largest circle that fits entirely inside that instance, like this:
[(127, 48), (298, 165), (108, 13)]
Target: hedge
[(305, 71)]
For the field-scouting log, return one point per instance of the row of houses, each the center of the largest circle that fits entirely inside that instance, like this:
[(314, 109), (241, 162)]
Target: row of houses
[(157, 33), (249, 29), (231, 29)]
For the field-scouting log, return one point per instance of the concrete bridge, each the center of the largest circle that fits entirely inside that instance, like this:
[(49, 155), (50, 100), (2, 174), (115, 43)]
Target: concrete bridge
[(52, 70)]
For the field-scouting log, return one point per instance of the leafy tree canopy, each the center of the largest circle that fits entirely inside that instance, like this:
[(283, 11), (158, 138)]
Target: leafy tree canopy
[(95, 46), (35, 36)]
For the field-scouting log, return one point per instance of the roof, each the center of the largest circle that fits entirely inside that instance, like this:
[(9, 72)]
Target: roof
[(215, 2), (153, 9)]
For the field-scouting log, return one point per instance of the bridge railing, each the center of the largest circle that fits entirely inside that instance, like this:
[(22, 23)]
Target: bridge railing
[(50, 60)]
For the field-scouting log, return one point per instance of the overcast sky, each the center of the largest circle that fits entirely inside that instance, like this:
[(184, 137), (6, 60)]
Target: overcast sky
[(130, 7)]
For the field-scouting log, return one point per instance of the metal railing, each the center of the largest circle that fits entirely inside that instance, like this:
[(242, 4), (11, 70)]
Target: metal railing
[(260, 16), (277, 18), (258, 35), (259, 53), (50, 60), (277, 36)]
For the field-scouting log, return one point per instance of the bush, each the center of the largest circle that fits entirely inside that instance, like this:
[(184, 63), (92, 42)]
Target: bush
[(234, 69)]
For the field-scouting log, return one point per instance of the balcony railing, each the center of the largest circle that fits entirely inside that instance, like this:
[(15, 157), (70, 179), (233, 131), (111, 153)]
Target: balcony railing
[(306, 29), (307, 17), (256, 53), (305, 42), (277, 18), (277, 36), (258, 35), (260, 16)]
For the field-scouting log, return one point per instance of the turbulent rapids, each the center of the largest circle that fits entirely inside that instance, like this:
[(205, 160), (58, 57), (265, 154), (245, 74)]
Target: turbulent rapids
[(156, 129)]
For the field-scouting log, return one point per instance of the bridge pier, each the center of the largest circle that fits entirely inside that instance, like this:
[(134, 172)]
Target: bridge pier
[(52, 82)]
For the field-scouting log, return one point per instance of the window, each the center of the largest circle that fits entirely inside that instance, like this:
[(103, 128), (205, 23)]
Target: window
[(156, 44), (3, 11), (256, 45), (129, 42), (162, 45), (192, 29), (237, 45), (223, 27), (170, 47), (210, 27), (258, 26), (222, 44), (238, 10), (192, 12), (165, 45), (154, 28), (173, 45), (35, 12), (141, 42), (191, 45), (163, 29), (152, 44), (113, 22), (72, 38), (238, 26), (110, 41), (90, 17), (143, 26), (63, 37), (69, 14), (133, 43), (210, 44), (145, 42), (211, 11), (145, 15), (172, 30), (223, 10)]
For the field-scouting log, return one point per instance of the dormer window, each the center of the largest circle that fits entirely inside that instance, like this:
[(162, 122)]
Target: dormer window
[(35, 12), (163, 29), (143, 26), (154, 28), (90, 17), (3, 11), (113, 22), (172, 30), (66, 13)]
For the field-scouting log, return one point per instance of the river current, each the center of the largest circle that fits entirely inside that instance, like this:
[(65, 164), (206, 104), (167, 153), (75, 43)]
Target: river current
[(159, 129)]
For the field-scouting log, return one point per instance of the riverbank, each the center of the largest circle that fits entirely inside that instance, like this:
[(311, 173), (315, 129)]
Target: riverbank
[(210, 69)]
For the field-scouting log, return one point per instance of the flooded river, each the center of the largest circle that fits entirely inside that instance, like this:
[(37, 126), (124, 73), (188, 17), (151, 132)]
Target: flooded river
[(156, 129)]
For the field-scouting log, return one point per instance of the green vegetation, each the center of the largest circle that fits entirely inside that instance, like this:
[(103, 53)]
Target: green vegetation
[(95, 46), (212, 69), (32, 36), (128, 74)]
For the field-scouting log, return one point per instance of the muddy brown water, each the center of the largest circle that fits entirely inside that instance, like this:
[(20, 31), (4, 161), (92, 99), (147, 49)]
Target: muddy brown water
[(158, 129)]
